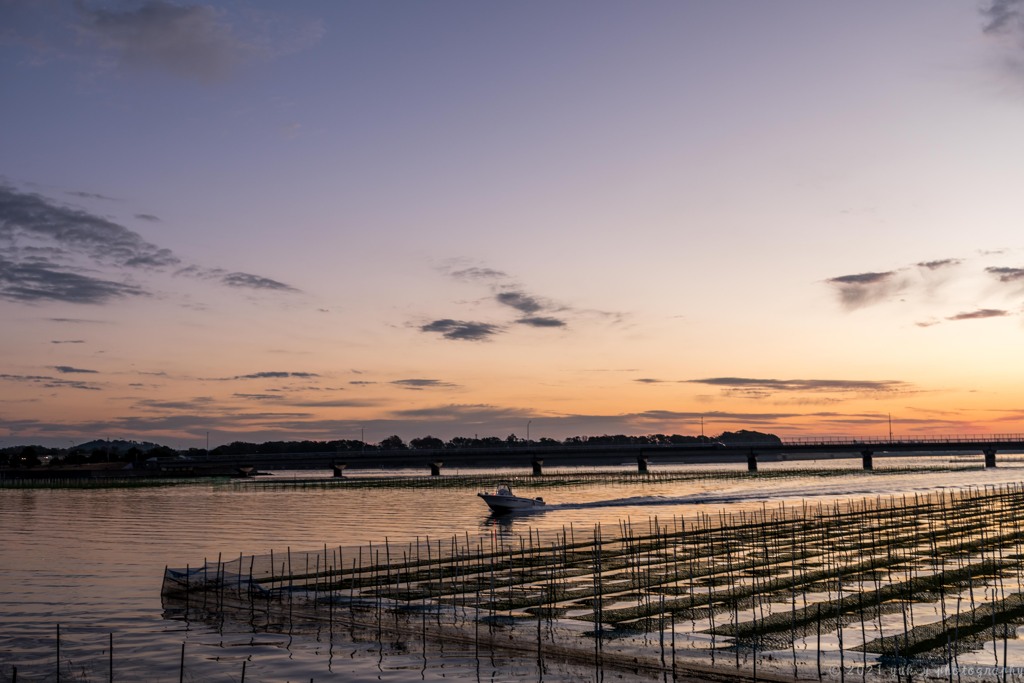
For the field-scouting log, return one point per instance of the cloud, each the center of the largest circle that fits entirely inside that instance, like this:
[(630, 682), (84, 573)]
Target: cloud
[(67, 369), (41, 282), (764, 388), (477, 274), (29, 222), (255, 282), (77, 321), (147, 217), (1003, 14), (90, 195), (419, 384), (461, 330), (51, 252), (50, 382), (1007, 275), (189, 41), (519, 301), (466, 413), (940, 264), (275, 374), (337, 403), (981, 313), (67, 341), (541, 321), (856, 291)]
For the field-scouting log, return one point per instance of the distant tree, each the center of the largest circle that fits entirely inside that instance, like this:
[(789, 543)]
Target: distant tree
[(511, 439), (744, 436), (162, 452), (393, 443), (75, 457), (29, 457), (99, 455), (236, 448), (426, 442), (547, 441)]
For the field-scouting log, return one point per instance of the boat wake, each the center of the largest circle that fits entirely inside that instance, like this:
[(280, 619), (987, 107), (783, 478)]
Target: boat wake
[(753, 496)]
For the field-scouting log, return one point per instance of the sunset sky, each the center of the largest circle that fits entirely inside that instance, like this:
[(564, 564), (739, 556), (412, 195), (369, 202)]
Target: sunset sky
[(345, 219)]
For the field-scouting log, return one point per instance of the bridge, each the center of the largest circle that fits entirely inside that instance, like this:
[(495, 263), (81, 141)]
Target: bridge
[(581, 455)]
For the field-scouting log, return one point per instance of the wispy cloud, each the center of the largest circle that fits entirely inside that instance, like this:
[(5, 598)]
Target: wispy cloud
[(541, 321), (862, 289), (763, 388), (30, 221), (190, 41), (461, 330), (940, 264), (54, 253), (518, 300), (50, 382), (1003, 15), (534, 311), (418, 384), (1007, 275), (276, 374), (255, 282), (90, 195), (38, 282), (979, 314), (67, 369), (486, 274), (932, 283)]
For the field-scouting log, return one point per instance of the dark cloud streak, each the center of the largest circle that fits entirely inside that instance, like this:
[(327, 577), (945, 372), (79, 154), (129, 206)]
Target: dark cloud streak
[(67, 369), (461, 330), (188, 41), (541, 321), (980, 314), (856, 291), (29, 283), (255, 282), (1001, 14)]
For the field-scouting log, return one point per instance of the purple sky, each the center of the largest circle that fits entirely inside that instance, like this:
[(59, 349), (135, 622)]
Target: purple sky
[(329, 219)]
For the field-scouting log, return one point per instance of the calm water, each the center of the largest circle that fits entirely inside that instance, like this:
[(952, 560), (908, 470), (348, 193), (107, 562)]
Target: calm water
[(92, 562)]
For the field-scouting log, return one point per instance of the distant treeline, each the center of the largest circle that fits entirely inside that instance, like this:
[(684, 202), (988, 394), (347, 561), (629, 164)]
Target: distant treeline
[(130, 451), (395, 442)]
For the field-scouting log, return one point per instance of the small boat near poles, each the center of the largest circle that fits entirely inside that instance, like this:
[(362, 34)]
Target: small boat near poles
[(502, 500)]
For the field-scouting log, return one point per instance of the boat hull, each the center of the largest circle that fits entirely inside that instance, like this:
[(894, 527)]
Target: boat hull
[(505, 504)]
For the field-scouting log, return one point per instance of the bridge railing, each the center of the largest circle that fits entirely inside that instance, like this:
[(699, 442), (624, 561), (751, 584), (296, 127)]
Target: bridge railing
[(853, 441)]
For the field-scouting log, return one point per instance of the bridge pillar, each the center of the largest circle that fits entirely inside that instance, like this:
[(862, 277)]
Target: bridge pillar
[(641, 464), (867, 460), (538, 467), (435, 468), (990, 457), (339, 469), (751, 461)]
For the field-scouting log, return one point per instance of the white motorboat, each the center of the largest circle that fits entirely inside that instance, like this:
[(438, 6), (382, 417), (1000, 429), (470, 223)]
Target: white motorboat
[(502, 500)]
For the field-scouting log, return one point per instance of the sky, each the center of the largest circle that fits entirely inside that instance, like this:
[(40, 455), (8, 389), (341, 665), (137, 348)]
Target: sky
[(351, 219)]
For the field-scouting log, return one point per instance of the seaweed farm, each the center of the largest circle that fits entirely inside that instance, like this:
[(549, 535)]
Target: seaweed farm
[(913, 586)]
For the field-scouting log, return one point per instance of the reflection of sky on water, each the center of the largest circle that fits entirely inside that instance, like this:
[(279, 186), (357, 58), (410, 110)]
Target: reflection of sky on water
[(96, 556)]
